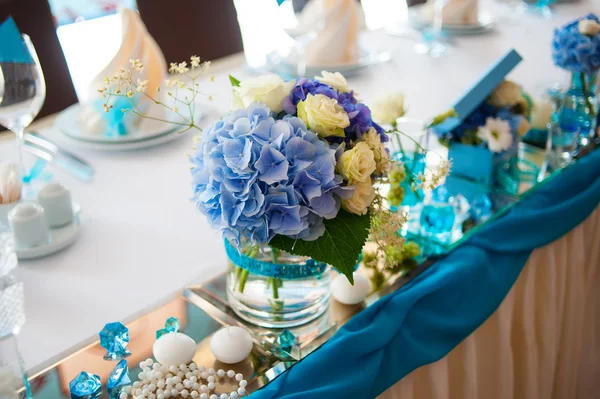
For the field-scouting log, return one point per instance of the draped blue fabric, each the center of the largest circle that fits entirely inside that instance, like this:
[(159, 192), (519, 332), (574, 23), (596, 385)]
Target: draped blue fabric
[(424, 320)]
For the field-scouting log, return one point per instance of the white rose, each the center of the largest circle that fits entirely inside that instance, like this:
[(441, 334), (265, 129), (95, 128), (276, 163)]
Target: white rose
[(506, 94), (357, 164), (541, 114), (268, 89), (589, 27), (335, 80), (373, 140), (363, 195), (388, 108), (323, 115)]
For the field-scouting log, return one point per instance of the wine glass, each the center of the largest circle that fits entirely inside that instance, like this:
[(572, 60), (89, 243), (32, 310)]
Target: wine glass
[(22, 93), (433, 36)]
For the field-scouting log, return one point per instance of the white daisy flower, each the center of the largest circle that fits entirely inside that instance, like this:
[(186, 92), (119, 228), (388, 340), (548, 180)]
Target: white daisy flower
[(496, 133)]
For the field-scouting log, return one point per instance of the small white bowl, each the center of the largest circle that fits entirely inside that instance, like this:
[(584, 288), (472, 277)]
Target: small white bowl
[(28, 225)]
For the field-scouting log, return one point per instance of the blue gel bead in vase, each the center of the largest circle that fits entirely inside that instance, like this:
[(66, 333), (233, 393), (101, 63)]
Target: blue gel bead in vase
[(437, 218)]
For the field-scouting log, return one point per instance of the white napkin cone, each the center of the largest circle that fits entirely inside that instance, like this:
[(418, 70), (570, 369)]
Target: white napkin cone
[(455, 12), (136, 44), (338, 23)]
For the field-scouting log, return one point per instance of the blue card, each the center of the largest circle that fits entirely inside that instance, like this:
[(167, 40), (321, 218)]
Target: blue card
[(12, 46)]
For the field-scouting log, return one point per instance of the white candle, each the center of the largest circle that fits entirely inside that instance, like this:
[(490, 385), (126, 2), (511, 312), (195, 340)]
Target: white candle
[(231, 344), (349, 294), (28, 225), (174, 349), (56, 201)]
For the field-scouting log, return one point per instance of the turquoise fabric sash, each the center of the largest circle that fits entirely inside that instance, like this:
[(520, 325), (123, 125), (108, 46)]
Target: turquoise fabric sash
[(424, 320)]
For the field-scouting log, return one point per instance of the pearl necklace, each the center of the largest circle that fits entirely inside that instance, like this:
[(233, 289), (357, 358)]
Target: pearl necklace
[(161, 382)]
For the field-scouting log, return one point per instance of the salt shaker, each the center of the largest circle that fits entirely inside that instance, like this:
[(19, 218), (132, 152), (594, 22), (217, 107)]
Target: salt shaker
[(28, 225), (56, 201)]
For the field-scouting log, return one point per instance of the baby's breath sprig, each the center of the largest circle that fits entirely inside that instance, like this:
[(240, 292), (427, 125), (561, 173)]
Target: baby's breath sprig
[(182, 90)]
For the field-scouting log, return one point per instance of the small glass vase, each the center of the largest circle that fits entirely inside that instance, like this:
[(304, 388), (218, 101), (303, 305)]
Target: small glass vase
[(574, 119), (274, 289)]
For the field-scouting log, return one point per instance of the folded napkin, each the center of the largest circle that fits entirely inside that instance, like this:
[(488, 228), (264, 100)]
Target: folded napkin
[(12, 46), (136, 44), (338, 23), (455, 12)]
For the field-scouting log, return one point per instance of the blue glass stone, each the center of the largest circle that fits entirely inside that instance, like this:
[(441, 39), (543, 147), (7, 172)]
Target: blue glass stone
[(441, 194), (85, 386), (161, 332), (118, 379), (114, 337), (172, 324), (481, 208), (437, 218), (286, 340)]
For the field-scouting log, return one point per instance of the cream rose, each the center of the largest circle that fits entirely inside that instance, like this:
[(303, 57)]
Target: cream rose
[(506, 94), (541, 114), (364, 194), (335, 80), (323, 115), (373, 140), (588, 27), (267, 89), (357, 164), (388, 108)]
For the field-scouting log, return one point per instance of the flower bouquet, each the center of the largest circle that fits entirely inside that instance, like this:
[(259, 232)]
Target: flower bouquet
[(292, 178), (482, 146), (576, 49)]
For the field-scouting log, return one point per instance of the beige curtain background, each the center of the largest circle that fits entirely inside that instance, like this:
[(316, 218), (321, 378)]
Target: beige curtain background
[(542, 342)]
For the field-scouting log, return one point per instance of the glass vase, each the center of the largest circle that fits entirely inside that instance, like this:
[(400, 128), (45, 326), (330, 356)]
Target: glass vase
[(574, 119), (274, 289)]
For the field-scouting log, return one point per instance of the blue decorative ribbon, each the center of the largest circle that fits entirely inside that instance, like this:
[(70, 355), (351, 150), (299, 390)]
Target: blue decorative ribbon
[(289, 271)]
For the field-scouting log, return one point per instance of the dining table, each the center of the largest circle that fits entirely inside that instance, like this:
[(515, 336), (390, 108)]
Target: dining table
[(142, 238)]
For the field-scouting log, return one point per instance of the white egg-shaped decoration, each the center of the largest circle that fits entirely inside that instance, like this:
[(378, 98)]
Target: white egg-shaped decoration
[(174, 349), (231, 344), (349, 294)]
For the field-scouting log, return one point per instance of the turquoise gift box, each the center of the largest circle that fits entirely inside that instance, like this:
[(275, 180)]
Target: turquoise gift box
[(474, 168)]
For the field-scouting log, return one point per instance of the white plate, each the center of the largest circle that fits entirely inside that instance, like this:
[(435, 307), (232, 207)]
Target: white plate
[(278, 63), (149, 133), (60, 238), (485, 23)]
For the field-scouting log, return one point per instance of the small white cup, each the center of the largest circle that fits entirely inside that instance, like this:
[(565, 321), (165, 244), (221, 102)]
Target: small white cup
[(28, 225), (56, 201)]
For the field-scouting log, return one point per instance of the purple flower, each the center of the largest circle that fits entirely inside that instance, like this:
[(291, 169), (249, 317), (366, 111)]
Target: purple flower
[(303, 88), (360, 118)]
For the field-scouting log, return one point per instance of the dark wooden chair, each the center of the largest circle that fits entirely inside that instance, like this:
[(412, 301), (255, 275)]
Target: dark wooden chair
[(34, 18), (182, 28)]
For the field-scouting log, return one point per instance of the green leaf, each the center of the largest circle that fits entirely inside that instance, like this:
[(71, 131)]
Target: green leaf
[(234, 82), (340, 245)]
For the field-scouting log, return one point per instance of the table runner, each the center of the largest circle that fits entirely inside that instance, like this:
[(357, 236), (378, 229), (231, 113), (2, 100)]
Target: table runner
[(424, 320), (542, 342)]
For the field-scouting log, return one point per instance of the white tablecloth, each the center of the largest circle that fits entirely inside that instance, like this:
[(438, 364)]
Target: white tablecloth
[(142, 238)]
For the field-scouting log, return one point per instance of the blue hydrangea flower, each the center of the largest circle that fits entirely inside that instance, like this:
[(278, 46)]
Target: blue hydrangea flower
[(255, 177), (576, 52)]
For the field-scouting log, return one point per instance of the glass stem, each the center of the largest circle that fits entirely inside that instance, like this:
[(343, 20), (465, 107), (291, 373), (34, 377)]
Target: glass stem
[(10, 357), (586, 94), (20, 133)]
